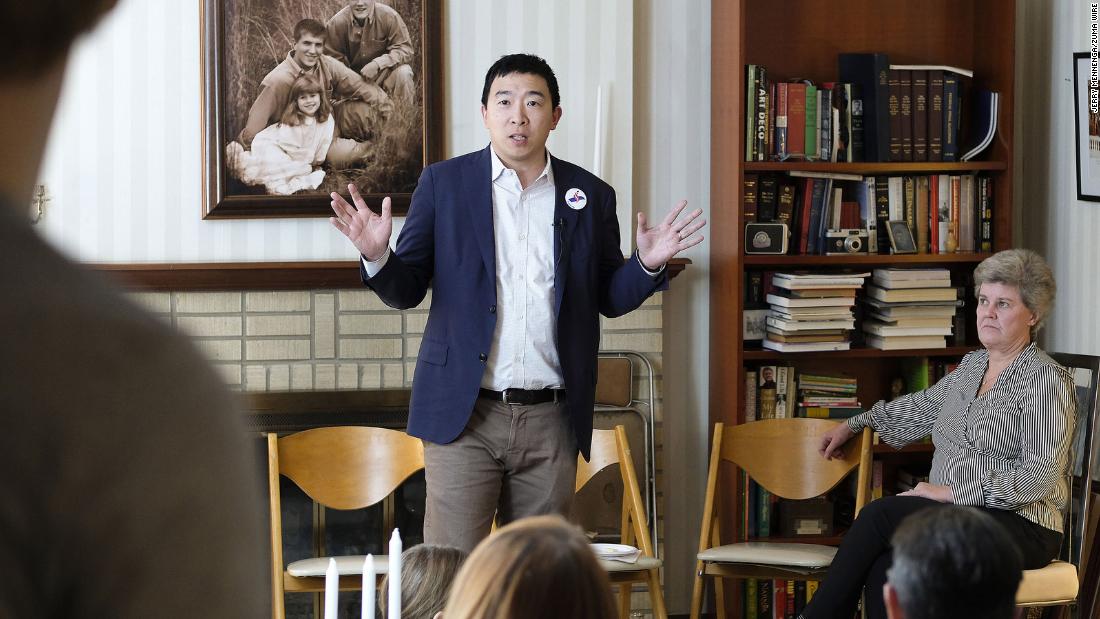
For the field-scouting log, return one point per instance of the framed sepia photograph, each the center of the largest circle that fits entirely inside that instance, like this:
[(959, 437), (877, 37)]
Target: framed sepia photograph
[(302, 97), (901, 237), (1086, 105)]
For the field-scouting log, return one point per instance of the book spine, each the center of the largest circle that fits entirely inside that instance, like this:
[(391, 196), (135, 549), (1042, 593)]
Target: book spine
[(935, 115), (968, 215), (766, 198), (748, 198), (894, 110), (817, 203), (769, 134), (750, 396), (858, 149), (882, 212), (781, 399), (950, 116), (956, 203), (796, 121), (923, 185), (751, 601), (813, 113), (909, 205), (782, 120), (920, 115), (871, 73), (764, 598), (785, 202), (761, 107), (987, 214), (806, 206), (750, 112), (867, 213), (933, 214), (825, 98), (790, 600), (811, 589), (943, 212), (905, 82)]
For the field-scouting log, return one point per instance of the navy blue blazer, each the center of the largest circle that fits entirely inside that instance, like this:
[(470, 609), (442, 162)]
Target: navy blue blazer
[(448, 242)]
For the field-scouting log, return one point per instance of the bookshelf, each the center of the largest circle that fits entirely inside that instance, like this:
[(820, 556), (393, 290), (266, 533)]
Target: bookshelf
[(801, 38)]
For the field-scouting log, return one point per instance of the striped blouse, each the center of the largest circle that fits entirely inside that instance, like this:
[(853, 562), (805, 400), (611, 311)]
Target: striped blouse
[(1006, 449)]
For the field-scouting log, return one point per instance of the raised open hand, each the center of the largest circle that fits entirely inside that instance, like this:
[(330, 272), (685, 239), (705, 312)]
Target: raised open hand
[(657, 245), (369, 232)]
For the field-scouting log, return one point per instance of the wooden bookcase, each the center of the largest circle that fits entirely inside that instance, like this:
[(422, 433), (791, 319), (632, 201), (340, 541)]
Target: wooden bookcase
[(801, 38)]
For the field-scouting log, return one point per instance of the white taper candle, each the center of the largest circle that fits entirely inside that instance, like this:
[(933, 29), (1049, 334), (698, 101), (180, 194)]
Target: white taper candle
[(393, 599), (369, 587), (332, 589)]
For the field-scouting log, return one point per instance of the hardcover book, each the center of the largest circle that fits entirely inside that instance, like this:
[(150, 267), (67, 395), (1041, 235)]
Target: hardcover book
[(871, 73)]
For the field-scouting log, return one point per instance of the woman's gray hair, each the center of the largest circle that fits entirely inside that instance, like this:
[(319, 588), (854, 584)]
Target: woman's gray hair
[(1028, 272)]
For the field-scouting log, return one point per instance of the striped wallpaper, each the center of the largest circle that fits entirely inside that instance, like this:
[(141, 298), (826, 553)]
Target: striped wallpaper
[(124, 164), (1051, 220)]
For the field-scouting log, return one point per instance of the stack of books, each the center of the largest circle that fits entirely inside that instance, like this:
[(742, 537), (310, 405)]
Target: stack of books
[(909, 308), (827, 397), (812, 311)]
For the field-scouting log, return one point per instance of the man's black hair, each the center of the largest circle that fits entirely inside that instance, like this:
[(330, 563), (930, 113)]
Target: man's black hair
[(522, 63), (955, 562)]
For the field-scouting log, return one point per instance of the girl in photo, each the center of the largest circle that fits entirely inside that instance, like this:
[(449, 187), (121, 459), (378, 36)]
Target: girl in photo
[(286, 156)]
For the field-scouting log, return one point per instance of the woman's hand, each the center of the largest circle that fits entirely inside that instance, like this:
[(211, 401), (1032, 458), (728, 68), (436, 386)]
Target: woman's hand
[(832, 443), (935, 492)]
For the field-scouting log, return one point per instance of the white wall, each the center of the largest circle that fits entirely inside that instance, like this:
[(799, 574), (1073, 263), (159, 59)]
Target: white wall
[(672, 161), (1050, 219), (124, 162)]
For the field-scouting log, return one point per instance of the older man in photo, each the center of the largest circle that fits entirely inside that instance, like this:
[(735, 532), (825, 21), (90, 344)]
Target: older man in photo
[(372, 39)]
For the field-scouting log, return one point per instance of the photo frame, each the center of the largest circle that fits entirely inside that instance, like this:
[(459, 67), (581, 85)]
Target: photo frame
[(377, 121), (1086, 106), (901, 237)]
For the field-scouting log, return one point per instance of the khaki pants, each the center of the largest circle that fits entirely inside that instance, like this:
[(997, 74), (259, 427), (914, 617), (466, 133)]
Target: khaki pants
[(511, 461)]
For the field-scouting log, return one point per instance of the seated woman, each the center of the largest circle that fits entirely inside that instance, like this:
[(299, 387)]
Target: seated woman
[(535, 568), (1001, 423), (427, 571)]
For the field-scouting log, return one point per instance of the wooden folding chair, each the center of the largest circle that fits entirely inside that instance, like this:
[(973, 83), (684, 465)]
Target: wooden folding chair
[(1058, 584), (782, 456), (610, 447), (339, 468)]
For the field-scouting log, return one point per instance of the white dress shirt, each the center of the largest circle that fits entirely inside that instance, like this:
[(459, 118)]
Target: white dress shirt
[(524, 352)]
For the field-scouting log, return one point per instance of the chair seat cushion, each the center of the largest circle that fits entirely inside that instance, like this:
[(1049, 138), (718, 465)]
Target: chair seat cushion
[(643, 563), (346, 566), (1055, 582), (771, 553)]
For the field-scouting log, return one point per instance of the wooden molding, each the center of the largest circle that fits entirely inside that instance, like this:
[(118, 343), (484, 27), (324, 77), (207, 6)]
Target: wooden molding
[(252, 275)]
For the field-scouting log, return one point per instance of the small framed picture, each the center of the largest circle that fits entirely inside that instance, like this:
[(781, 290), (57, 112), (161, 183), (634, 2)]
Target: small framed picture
[(754, 324), (901, 237)]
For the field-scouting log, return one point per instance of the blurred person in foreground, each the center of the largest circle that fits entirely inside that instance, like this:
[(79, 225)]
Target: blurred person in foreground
[(129, 487), (1001, 422), (427, 571), (535, 568), (952, 563)]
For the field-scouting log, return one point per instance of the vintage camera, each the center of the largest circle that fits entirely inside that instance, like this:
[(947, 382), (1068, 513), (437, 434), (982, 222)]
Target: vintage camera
[(845, 241)]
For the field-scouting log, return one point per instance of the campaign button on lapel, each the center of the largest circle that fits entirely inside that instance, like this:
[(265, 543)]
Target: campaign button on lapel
[(575, 199)]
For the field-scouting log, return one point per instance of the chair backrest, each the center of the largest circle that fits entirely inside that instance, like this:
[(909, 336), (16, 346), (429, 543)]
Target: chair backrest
[(1075, 542), (611, 447), (782, 456), (346, 467), (614, 383)]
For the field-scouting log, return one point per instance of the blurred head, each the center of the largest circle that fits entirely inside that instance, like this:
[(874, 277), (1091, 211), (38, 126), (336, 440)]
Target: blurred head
[(1014, 274), (309, 42), (307, 98), (427, 571), (43, 31), (536, 568), (952, 562), (520, 107)]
